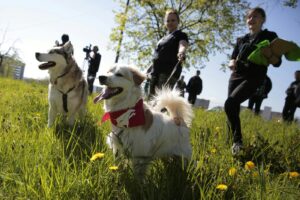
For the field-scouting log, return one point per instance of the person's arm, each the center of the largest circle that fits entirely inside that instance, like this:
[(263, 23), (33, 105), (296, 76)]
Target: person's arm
[(183, 45), (232, 63)]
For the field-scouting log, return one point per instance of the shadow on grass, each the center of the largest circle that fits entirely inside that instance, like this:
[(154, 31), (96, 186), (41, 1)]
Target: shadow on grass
[(80, 140), (166, 179)]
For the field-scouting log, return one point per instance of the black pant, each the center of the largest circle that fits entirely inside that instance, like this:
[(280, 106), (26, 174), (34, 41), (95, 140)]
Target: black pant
[(159, 81), (239, 90), (257, 101), (289, 109), (90, 80), (192, 98)]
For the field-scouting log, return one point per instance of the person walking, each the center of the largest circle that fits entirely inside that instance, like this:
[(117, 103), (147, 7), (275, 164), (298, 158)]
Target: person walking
[(247, 76), (94, 63), (194, 87), (169, 53), (292, 100)]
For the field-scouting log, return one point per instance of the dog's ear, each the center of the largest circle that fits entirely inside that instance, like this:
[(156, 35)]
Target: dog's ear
[(138, 77), (68, 48)]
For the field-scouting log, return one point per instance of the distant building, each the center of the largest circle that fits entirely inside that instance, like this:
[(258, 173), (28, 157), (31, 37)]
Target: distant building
[(19, 72), (203, 103)]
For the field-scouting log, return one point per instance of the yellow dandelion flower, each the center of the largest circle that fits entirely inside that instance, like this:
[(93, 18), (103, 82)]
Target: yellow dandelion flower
[(255, 174), (113, 168), (222, 187), (97, 156), (249, 165), (232, 171), (213, 150), (294, 174)]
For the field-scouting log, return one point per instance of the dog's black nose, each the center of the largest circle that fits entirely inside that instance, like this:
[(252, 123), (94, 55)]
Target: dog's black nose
[(37, 55), (102, 79)]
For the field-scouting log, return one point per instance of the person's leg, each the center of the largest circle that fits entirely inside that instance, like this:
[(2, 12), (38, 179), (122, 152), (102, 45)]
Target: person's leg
[(90, 80), (292, 112), (257, 105), (194, 97), (286, 112), (239, 91), (250, 103)]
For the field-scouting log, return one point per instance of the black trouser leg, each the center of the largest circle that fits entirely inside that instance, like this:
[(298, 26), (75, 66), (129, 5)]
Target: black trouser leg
[(257, 105), (232, 110), (251, 103), (288, 110), (238, 91), (192, 98), (90, 80)]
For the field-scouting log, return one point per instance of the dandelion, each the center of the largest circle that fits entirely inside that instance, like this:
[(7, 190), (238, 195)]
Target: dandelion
[(255, 174), (218, 129), (222, 187), (232, 171), (97, 156), (113, 168), (294, 174), (249, 165), (213, 150)]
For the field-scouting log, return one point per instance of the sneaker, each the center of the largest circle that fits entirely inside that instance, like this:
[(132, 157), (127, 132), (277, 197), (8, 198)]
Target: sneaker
[(236, 148)]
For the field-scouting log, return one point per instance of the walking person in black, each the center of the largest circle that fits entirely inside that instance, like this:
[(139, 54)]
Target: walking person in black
[(181, 86), (94, 63), (292, 99), (260, 94), (246, 76), (169, 52), (194, 87)]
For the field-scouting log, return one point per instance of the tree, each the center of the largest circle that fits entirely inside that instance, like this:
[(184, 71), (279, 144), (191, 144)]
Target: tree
[(210, 24)]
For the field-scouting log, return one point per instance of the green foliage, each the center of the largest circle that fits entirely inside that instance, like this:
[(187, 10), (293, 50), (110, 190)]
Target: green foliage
[(210, 25), (37, 162)]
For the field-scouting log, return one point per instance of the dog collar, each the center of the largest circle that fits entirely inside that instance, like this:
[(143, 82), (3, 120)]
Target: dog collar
[(130, 117)]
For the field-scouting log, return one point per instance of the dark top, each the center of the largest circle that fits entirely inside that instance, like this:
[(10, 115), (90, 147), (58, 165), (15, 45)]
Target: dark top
[(94, 64), (243, 48), (165, 54), (293, 90), (194, 85)]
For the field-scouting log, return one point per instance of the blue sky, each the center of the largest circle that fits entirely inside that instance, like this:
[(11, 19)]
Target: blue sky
[(34, 26)]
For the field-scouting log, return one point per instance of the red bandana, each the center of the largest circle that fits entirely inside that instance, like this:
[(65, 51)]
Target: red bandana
[(135, 118)]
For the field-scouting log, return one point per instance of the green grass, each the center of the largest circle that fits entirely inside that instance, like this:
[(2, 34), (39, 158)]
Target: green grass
[(37, 162)]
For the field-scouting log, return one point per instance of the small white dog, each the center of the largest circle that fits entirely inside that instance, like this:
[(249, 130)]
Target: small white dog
[(140, 131), (67, 88)]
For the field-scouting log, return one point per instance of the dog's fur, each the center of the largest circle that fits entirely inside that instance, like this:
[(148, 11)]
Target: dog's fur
[(159, 136), (67, 88)]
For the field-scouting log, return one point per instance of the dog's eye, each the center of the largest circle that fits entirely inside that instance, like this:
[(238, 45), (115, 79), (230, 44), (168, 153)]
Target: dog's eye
[(118, 74)]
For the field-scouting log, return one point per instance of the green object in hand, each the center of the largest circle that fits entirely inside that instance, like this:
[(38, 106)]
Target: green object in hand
[(256, 56)]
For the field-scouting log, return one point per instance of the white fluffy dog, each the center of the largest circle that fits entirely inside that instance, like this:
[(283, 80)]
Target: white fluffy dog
[(67, 88), (140, 131)]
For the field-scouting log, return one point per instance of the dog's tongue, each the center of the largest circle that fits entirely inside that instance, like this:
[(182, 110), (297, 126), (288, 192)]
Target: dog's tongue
[(103, 95)]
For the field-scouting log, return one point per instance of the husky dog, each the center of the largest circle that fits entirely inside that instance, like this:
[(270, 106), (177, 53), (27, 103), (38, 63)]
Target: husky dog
[(141, 131), (67, 88)]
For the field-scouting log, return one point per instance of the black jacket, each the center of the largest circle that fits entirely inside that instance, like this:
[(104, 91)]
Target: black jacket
[(194, 85)]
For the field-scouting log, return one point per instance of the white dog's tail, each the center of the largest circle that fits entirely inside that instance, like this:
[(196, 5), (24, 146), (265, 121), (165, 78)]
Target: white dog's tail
[(177, 106)]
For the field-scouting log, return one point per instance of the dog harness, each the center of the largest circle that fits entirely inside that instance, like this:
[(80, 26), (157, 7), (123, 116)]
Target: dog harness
[(135, 116)]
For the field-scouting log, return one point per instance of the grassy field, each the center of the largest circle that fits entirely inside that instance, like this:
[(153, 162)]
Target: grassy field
[(37, 162)]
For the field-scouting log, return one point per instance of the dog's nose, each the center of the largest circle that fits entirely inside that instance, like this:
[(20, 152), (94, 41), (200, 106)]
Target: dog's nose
[(37, 55), (102, 79)]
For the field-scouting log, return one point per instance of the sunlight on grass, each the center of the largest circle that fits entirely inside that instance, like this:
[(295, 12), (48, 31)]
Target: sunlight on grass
[(37, 162)]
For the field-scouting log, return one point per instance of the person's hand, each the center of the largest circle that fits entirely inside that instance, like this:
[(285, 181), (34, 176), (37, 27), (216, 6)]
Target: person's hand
[(232, 65), (268, 54), (181, 56)]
